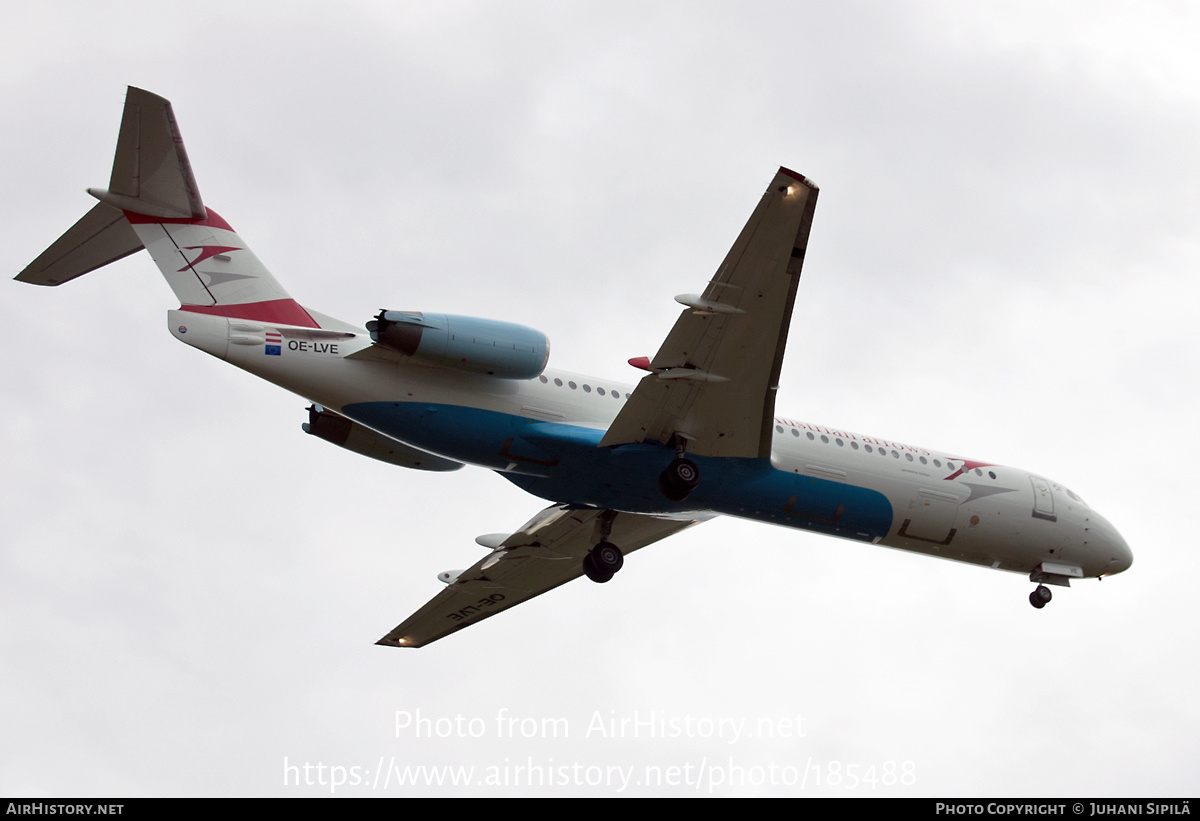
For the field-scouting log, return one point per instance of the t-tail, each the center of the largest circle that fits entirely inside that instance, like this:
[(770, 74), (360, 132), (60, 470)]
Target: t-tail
[(152, 202)]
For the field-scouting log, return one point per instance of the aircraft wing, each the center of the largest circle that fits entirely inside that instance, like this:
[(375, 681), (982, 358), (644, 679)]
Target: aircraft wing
[(547, 552), (714, 379)]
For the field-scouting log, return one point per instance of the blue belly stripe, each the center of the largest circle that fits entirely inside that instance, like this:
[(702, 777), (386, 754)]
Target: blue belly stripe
[(562, 463)]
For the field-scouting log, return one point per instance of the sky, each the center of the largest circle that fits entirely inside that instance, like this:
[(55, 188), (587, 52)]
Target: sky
[(1002, 265)]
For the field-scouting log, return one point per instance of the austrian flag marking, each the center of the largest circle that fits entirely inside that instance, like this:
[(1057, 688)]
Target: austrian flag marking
[(274, 343)]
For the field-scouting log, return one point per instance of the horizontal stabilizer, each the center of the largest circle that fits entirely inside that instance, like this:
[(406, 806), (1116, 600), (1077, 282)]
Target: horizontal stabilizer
[(101, 237)]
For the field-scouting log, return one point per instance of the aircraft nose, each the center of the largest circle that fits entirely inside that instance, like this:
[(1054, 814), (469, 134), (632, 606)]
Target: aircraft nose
[(1115, 550)]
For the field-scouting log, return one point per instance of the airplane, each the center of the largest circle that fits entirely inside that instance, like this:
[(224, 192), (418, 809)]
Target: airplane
[(622, 466)]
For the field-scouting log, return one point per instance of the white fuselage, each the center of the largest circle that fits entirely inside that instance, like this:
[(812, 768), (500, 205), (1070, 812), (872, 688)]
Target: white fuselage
[(938, 504)]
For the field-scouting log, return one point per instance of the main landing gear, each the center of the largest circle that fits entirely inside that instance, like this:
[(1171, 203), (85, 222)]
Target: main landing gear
[(603, 561), (1041, 596), (679, 479)]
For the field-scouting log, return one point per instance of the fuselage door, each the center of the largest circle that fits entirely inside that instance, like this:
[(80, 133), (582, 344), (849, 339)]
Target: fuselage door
[(931, 517), (1043, 499)]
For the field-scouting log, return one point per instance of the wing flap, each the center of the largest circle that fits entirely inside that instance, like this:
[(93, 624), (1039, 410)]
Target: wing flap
[(714, 380), (545, 553)]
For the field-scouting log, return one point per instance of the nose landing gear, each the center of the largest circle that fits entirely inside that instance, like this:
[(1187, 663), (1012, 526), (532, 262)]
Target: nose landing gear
[(1041, 596), (1051, 573)]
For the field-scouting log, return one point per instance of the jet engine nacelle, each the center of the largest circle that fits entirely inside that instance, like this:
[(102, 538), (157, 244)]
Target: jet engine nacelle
[(335, 428), (485, 346)]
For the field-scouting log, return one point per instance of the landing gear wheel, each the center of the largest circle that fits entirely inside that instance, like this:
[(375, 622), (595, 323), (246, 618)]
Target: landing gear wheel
[(590, 570), (679, 479), (1041, 596), (607, 558)]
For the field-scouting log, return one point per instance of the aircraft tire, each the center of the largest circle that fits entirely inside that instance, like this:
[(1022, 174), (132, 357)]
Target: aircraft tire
[(1035, 601), (679, 479), (590, 570), (607, 558), (1043, 593)]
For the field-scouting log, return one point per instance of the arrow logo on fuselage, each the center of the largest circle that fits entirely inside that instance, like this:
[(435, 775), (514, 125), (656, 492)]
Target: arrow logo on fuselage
[(976, 491), (967, 467)]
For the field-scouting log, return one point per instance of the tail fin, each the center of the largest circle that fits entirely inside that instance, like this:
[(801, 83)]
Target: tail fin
[(152, 201), (151, 174), (212, 270)]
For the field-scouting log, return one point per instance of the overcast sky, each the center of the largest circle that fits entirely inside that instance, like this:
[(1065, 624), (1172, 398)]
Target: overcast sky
[(1002, 265)]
